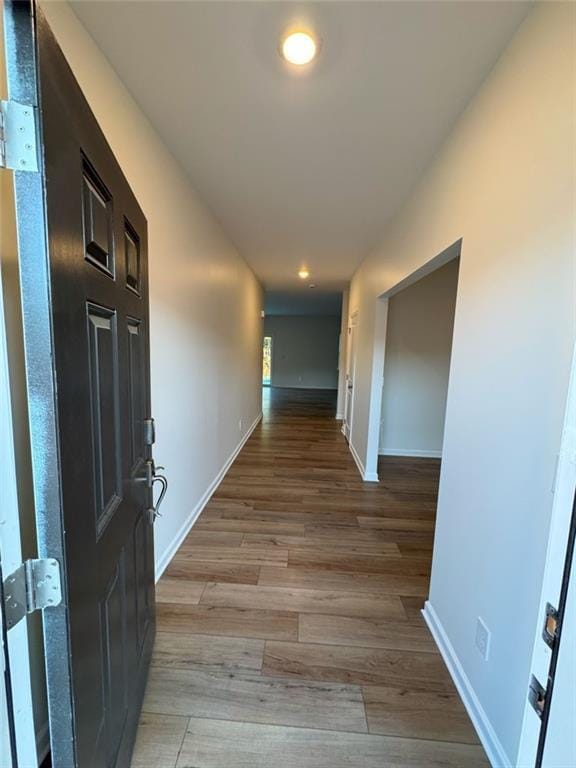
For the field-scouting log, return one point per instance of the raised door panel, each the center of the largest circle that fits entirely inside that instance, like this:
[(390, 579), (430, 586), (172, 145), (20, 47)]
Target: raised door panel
[(136, 393), (104, 402), (97, 220), (115, 655)]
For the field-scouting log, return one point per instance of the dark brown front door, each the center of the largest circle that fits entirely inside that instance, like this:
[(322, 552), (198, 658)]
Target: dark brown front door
[(85, 298)]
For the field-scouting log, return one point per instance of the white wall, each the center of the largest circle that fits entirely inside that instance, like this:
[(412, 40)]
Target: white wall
[(417, 363), (205, 302), (504, 183), (304, 350)]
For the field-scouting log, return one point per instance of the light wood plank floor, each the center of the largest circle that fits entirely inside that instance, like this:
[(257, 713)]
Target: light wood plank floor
[(289, 626)]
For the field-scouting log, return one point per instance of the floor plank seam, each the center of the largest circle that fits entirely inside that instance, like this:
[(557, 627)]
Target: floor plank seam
[(291, 613), (316, 728)]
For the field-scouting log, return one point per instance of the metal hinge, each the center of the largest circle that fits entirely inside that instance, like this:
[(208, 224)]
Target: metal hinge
[(33, 586), (18, 146), (537, 695), (550, 630)]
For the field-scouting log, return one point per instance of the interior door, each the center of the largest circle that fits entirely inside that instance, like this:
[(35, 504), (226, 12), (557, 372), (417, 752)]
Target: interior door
[(84, 277), (350, 365)]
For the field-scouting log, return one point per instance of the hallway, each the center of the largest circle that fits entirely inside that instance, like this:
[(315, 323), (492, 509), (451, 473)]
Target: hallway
[(289, 631)]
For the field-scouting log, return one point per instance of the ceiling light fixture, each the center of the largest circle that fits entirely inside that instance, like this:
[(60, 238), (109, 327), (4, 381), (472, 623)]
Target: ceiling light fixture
[(299, 48), (303, 273)]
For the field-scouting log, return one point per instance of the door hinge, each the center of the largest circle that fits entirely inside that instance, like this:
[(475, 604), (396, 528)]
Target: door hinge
[(18, 144), (33, 586), (537, 695), (550, 630)]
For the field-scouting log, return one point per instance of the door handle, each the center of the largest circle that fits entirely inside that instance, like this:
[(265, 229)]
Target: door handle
[(164, 483), (151, 477)]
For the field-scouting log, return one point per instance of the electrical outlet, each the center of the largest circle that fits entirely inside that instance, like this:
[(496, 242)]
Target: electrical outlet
[(483, 636), (240, 425)]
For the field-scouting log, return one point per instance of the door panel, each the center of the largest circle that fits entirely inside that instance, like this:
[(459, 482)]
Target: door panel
[(97, 220), (105, 408), (136, 395), (98, 390), (115, 652)]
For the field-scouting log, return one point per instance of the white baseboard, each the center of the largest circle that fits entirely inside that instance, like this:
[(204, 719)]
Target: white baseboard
[(168, 554), (417, 453), (486, 733), (42, 742), (303, 386), (339, 417), (368, 477)]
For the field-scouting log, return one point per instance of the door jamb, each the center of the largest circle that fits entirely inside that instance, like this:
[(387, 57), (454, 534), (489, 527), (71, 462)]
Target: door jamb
[(11, 557), (351, 355), (556, 553)]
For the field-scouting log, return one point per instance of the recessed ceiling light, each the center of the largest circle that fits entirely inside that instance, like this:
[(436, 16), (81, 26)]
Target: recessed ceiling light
[(303, 273), (299, 48)]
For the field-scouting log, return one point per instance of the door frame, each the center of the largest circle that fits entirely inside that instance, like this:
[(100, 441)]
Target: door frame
[(342, 351), (11, 557), (20, 25), (564, 490), (7, 746), (379, 352), (350, 374)]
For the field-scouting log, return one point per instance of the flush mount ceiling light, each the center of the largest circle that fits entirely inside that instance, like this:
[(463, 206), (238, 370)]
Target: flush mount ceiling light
[(299, 48), (303, 273)]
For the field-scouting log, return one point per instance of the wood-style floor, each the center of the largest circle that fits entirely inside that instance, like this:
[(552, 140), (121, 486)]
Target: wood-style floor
[(289, 627)]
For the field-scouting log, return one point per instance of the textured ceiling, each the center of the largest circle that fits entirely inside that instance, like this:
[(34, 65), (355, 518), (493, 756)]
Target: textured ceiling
[(307, 166)]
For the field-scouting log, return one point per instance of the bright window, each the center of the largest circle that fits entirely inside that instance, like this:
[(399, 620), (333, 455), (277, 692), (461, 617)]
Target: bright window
[(267, 361)]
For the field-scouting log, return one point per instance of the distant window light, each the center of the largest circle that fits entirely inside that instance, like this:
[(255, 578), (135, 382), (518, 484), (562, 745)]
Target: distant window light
[(267, 361)]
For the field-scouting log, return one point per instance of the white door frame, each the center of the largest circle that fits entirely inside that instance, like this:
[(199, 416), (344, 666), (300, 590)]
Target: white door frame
[(379, 350), (564, 489), (348, 416), (11, 553), (5, 745), (342, 351)]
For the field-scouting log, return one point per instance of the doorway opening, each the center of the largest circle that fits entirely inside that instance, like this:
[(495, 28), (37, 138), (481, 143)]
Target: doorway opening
[(267, 361), (418, 345), (411, 365)]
